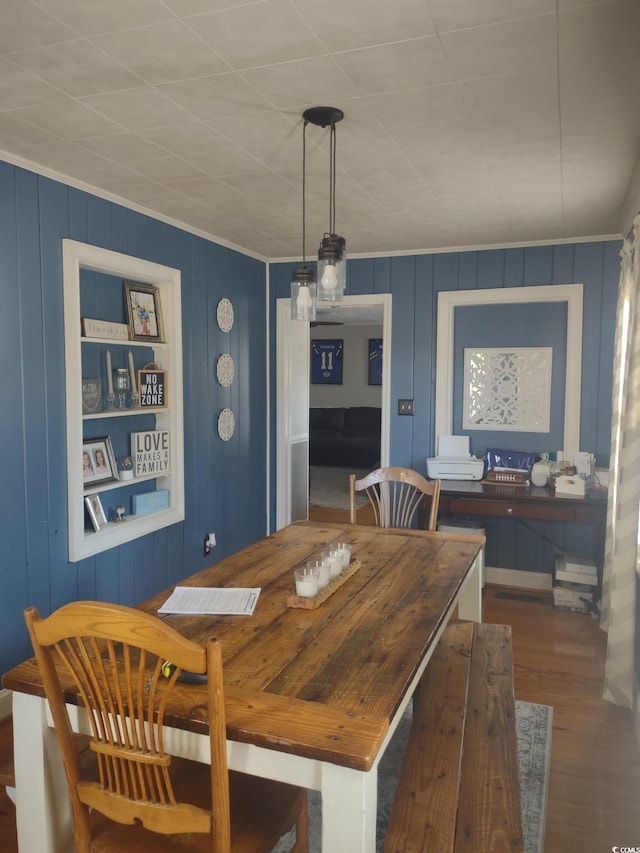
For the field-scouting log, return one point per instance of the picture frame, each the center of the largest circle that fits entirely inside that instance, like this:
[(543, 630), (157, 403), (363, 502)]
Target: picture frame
[(152, 388), (98, 461), (144, 312), (327, 357), (375, 361), (91, 396), (96, 512)]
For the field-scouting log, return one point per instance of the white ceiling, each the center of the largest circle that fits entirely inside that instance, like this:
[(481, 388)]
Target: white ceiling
[(467, 122)]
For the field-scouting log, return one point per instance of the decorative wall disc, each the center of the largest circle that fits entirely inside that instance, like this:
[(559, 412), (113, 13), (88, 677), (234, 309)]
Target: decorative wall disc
[(225, 370), (226, 424), (224, 314)]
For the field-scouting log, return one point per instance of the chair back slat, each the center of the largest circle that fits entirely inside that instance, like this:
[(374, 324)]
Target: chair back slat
[(395, 494), (118, 677)]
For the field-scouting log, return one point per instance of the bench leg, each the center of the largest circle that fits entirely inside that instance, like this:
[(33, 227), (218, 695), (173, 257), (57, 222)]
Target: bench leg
[(470, 599)]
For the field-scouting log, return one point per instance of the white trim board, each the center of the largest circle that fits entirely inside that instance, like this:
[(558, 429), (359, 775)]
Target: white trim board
[(448, 301), (518, 578)]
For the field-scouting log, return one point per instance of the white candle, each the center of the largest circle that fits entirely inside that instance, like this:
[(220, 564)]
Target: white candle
[(335, 560), (306, 582), (109, 377), (132, 373), (345, 550)]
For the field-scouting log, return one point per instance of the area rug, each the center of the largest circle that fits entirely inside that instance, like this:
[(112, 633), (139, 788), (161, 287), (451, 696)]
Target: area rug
[(329, 487), (533, 725)]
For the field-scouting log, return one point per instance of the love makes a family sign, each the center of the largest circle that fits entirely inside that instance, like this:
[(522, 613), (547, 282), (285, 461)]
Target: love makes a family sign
[(151, 452)]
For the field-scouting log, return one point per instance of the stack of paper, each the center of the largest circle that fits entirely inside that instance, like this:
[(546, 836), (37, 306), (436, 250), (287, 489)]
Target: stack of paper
[(197, 600)]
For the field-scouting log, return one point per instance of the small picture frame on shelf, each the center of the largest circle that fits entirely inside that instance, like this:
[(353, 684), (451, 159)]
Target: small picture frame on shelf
[(152, 388), (144, 312), (96, 512), (91, 396), (98, 461)]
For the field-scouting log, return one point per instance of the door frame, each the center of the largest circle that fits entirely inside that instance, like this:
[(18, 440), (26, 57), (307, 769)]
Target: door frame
[(288, 406)]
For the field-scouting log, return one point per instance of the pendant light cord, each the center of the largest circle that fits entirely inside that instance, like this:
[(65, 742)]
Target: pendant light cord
[(304, 189), (332, 180)]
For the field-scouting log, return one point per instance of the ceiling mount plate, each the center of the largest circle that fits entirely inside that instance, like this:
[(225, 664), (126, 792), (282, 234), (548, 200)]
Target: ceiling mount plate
[(323, 116)]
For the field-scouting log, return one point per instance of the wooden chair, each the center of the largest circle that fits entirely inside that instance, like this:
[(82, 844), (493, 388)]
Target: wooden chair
[(143, 799), (395, 494)]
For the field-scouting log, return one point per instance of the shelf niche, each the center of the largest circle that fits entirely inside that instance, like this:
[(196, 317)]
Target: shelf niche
[(78, 257)]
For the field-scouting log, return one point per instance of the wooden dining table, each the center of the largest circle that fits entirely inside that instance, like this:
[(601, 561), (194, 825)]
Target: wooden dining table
[(312, 696)]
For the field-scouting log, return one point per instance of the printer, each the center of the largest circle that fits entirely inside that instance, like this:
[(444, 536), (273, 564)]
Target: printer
[(454, 462)]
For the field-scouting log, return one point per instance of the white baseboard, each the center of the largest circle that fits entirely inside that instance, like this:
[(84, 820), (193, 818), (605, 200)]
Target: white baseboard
[(517, 578), (5, 704)]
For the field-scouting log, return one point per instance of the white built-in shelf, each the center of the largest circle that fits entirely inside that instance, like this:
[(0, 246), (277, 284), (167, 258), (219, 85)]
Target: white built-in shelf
[(76, 258)]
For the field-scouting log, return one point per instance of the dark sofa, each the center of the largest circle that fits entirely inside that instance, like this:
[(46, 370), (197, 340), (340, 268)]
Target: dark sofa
[(345, 437)]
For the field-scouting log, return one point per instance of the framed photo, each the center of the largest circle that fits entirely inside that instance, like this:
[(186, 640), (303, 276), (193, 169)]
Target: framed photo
[(91, 396), (152, 388), (96, 512), (98, 461), (326, 362), (375, 361), (144, 312)]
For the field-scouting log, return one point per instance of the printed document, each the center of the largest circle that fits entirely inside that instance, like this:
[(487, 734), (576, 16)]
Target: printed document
[(231, 601)]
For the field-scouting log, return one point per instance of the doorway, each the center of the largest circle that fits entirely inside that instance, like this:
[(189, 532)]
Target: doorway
[(292, 394)]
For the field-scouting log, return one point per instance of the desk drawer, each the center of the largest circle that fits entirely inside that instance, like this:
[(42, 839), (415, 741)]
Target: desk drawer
[(504, 509)]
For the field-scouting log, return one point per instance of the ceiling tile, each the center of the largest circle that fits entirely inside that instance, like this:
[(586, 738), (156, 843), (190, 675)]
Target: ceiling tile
[(301, 83), (162, 52), (122, 147), (595, 30), (366, 22), (163, 169), (463, 14), (77, 68), (15, 133), (19, 88), (139, 109), (272, 31), (221, 95), (227, 159), (503, 48), (419, 106), (26, 25), (91, 18), (68, 119), (512, 95), (191, 138), (391, 67)]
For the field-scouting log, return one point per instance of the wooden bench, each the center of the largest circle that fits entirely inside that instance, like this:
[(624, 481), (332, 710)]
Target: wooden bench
[(459, 787)]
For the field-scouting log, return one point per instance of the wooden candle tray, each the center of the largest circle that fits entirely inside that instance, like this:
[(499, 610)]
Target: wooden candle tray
[(311, 603)]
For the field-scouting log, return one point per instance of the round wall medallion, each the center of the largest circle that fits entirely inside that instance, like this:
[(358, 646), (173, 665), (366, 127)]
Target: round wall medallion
[(225, 370), (224, 314), (226, 424)]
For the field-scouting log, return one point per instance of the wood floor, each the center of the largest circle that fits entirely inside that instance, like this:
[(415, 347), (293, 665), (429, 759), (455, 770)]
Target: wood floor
[(594, 790)]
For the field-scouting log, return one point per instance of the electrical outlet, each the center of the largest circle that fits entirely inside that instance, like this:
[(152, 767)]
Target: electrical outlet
[(405, 407), (209, 543)]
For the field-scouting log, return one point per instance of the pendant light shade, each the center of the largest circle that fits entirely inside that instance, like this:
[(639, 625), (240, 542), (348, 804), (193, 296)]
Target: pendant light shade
[(303, 294), (332, 268), (303, 279), (332, 252)]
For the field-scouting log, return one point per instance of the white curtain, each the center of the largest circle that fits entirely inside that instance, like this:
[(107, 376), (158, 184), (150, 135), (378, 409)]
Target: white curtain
[(621, 560)]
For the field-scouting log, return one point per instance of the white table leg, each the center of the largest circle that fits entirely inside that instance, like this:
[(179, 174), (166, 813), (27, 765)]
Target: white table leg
[(349, 803), (470, 599), (42, 803)]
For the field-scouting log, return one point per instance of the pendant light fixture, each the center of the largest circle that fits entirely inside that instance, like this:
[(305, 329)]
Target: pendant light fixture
[(332, 253), (303, 279)]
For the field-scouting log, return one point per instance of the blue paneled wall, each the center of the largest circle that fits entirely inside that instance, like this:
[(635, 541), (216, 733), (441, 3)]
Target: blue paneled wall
[(415, 283), (223, 480)]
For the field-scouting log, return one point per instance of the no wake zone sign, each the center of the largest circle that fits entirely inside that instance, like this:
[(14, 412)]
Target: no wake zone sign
[(152, 388)]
